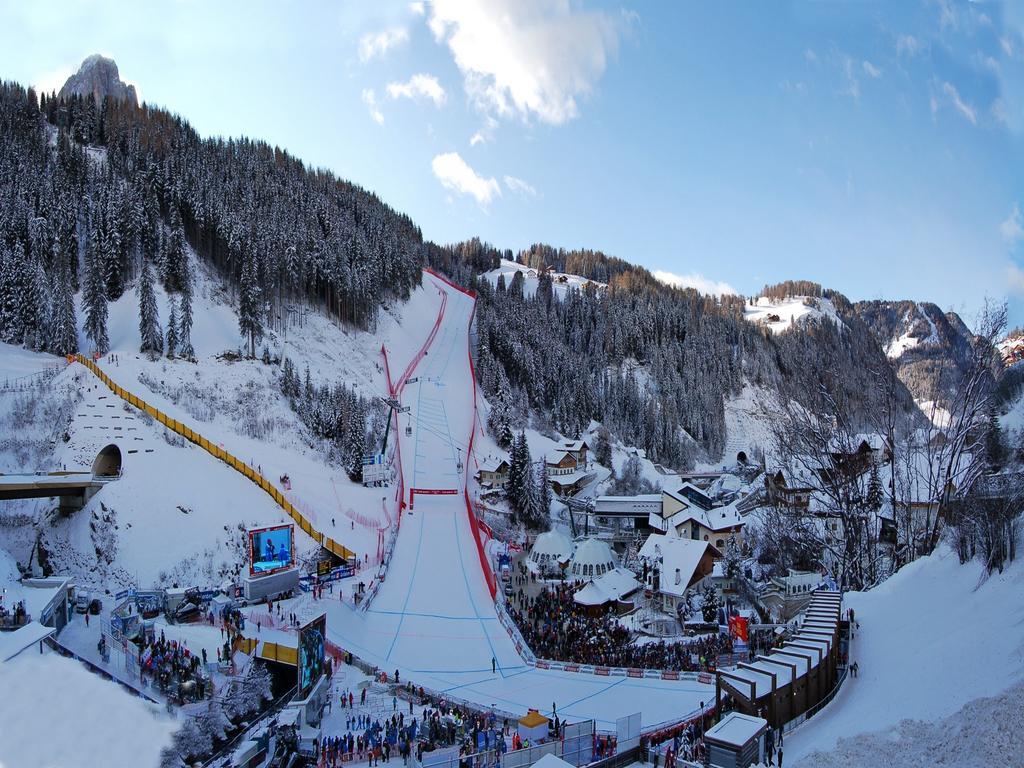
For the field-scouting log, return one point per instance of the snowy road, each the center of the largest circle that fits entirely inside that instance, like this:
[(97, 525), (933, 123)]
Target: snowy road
[(433, 618)]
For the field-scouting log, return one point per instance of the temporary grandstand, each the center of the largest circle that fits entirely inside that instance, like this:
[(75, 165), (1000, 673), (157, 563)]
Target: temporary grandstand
[(790, 682)]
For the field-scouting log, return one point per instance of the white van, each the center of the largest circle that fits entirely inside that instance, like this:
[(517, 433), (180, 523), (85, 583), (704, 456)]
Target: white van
[(82, 600)]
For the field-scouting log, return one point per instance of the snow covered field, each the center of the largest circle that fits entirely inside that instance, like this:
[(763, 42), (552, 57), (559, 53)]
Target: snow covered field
[(780, 316), (561, 282)]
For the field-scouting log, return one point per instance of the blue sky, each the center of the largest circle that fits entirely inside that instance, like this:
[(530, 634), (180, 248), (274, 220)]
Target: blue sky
[(873, 147)]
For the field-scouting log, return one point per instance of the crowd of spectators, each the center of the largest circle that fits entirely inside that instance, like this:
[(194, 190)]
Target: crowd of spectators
[(174, 668), (443, 724), (556, 628), (13, 617)]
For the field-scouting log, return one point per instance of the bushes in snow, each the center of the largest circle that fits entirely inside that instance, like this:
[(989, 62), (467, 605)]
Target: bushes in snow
[(351, 424)]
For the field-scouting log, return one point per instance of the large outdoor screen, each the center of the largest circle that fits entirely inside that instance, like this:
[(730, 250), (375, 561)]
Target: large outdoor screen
[(270, 550), (311, 654)]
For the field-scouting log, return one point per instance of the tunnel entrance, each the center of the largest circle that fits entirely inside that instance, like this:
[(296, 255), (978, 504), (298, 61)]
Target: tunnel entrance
[(108, 462)]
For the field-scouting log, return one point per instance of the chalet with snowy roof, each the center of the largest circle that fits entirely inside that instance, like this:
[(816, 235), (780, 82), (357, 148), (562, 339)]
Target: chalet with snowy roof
[(689, 513), (687, 496), (493, 473), (579, 449), (676, 565), (783, 492), (566, 473), (854, 459)]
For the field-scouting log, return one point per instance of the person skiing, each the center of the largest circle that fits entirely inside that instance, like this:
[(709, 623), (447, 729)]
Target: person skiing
[(494, 665)]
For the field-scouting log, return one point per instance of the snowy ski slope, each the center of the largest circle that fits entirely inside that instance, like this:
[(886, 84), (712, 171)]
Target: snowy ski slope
[(433, 618)]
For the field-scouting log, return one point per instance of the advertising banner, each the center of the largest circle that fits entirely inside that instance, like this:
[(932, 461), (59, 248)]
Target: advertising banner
[(738, 629)]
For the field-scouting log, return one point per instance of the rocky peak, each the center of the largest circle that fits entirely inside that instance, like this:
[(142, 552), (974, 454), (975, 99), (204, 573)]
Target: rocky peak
[(98, 75)]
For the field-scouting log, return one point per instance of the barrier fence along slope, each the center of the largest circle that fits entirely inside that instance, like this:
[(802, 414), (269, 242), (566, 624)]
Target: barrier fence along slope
[(216, 451)]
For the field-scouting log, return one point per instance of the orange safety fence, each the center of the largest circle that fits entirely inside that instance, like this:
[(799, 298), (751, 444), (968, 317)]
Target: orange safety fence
[(214, 450)]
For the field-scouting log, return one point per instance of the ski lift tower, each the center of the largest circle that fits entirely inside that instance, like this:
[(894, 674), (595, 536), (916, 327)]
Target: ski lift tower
[(375, 467)]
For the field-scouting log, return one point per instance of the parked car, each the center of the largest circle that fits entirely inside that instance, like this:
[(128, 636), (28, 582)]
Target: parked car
[(82, 602), (95, 606)]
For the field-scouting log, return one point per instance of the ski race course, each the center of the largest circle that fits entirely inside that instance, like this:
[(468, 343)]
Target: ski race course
[(433, 618)]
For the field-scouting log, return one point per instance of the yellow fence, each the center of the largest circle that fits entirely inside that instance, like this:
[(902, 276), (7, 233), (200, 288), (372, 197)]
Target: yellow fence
[(215, 450), (283, 654)]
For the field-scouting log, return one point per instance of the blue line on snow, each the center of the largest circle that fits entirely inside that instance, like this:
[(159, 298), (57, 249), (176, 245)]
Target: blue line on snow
[(487, 679), (431, 615), (595, 693), (408, 594)]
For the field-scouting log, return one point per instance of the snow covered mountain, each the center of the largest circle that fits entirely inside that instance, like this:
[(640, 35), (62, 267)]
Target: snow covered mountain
[(98, 76), (928, 347)]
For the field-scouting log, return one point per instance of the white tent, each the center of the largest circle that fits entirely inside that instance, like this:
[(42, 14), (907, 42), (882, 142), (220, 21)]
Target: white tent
[(550, 549), (590, 559), (551, 761)]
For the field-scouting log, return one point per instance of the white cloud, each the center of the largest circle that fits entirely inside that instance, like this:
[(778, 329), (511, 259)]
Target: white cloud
[(520, 187), (485, 133), (1013, 228), (908, 45), (418, 8), (374, 44), (1015, 278), (696, 280), (370, 100), (53, 80), (530, 59), (1007, 45), (454, 174), (948, 15), (418, 86), (852, 88), (952, 96), (985, 61), (810, 55), (871, 70)]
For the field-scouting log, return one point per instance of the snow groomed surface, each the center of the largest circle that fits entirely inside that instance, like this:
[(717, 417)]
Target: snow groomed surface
[(434, 618)]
